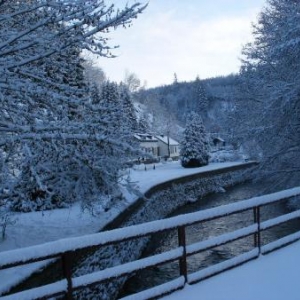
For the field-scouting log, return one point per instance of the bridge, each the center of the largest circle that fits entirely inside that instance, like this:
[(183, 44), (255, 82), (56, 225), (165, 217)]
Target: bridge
[(65, 249), (271, 277)]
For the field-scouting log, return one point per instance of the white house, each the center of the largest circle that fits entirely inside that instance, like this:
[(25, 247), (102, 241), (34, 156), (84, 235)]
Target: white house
[(167, 147), (148, 143), (158, 145)]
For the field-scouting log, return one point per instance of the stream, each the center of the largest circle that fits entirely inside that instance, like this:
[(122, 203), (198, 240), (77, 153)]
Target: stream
[(168, 240)]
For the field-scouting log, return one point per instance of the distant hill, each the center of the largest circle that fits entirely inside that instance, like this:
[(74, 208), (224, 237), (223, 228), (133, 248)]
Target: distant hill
[(171, 103)]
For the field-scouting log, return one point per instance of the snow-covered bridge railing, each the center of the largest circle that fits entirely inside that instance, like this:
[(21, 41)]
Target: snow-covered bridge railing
[(65, 248)]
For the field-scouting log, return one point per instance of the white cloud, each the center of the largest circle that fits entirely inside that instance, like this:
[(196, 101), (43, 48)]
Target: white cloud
[(160, 43)]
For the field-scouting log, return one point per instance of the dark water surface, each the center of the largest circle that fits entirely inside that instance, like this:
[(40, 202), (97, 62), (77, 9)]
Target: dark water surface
[(195, 233)]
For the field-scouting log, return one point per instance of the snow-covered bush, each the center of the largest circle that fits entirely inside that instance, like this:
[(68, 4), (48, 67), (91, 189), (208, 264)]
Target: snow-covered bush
[(224, 155)]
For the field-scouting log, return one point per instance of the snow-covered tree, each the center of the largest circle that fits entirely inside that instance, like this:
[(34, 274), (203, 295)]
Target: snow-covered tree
[(271, 78), (129, 118), (144, 122), (51, 148), (110, 100), (194, 148), (132, 81), (95, 94), (201, 98), (93, 74)]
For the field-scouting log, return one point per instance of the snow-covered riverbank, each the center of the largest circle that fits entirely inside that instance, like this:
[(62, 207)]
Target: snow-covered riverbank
[(40, 227)]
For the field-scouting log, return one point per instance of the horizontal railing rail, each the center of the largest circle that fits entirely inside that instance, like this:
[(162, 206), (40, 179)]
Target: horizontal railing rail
[(65, 248)]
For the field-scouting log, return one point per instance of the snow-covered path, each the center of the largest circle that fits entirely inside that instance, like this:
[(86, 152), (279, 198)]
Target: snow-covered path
[(165, 172), (271, 277)]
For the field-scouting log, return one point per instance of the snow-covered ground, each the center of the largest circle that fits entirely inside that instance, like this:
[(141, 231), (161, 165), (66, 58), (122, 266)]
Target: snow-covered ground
[(39, 227), (168, 171), (271, 277)]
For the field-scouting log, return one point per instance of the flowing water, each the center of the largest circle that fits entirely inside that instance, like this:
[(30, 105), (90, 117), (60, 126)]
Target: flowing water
[(195, 233)]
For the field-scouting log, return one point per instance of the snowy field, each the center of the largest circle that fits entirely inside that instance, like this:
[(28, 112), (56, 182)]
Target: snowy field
[(39, 227), (271, 277)]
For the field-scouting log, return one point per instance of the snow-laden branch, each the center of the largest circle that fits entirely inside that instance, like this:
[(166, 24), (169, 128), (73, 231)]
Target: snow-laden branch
[(86, 22), (57, 143)]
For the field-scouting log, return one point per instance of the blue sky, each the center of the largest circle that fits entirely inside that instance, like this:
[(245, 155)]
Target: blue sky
[(189, 38)]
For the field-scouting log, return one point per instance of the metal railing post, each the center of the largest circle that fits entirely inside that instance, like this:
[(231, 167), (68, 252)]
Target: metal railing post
[(257, 236), (183, 259), (66, 259)]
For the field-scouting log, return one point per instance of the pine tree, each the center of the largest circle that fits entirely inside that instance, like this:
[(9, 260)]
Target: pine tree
[(194, 149), (201, 98), (95, 94), (144, 123), (128, 112), (111, 105), (175, 79)]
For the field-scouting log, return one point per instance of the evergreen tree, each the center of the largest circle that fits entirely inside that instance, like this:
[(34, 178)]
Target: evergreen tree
[(95, 94), (194, 149), (201, 98), (175, 79), (144, 123), (111, 105), (128, 111)]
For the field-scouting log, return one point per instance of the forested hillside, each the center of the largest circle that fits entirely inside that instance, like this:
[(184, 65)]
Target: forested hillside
[(214, 99)]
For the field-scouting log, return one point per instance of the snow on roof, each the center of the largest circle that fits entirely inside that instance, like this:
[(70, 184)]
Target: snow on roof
[(164, 139), (144, 137), (218, 139)]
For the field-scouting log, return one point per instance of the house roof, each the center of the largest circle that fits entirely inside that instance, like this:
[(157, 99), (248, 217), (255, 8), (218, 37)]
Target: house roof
[(164, 139), (218, 139), (144, 137)]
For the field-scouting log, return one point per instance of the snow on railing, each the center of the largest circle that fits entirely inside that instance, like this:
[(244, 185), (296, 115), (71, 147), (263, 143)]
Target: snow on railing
[(65, 248), (221, 240), (42, 292), (279, 220), (159, 290), (127, 268), (281, 242), (53, 249), (222, 266)]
